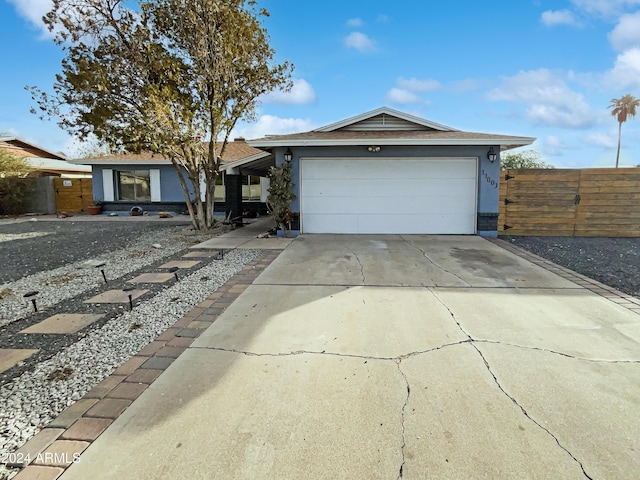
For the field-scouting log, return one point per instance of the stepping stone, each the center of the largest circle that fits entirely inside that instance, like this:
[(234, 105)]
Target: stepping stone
[(116, 296), (63, 323), (210, 253), (151, 278), (10, 357), (180, 264)]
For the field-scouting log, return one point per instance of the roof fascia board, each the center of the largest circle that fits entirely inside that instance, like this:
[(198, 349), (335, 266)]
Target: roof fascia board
[(97, 161), (387, 111), (265, 143)]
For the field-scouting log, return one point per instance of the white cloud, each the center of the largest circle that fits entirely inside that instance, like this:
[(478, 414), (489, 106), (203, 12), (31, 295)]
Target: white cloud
[(553, 146), (33, 11), (359, 41), (551, 18), (403, 97), (601, 140), (626, 71), (272, 125), (415, 85), (355, 22), (301, 93), (626, 33), (407, 90), (605, 8), (549, 100)]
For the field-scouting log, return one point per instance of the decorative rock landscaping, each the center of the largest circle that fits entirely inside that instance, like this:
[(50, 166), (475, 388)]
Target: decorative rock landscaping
[(84, 338)]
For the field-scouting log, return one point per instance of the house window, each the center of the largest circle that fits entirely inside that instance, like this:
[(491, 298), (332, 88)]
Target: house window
[(251, 188), (220, 194), (133, 185)]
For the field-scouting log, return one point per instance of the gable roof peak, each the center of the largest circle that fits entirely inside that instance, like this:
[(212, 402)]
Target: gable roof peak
[(403, 121)]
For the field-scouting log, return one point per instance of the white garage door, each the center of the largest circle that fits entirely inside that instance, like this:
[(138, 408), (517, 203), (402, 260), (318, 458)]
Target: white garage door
[(388, 195)]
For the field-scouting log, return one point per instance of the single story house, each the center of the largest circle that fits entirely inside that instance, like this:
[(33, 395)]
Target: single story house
[(148, 181), (385, 171), (43, 163)]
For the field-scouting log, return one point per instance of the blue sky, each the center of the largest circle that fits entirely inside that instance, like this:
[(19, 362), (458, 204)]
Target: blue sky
[(546, 69)]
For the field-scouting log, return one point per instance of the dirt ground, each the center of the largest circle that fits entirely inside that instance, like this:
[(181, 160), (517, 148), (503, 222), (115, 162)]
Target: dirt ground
[(612, 261)]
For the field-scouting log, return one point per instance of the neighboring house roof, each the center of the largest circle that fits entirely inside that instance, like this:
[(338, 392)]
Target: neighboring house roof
[(40, 160), (385, 126), (22, 148), (56, 166), (234, 150)]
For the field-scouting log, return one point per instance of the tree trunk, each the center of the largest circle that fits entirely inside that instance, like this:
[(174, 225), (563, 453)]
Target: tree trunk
[(210, 202), (619, 138), (185, 191)]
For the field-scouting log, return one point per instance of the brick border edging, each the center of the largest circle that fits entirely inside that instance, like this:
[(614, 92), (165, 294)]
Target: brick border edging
[(628, 301), (80, 424)]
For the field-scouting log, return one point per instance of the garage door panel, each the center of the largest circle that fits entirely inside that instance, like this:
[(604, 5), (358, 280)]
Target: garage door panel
[(389, 168), (388, 195), (402, 223), (390, 205), (386, 188)]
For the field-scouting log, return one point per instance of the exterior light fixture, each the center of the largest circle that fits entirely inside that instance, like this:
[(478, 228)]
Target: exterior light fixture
[(100, 265), (128, 291), (174, 270), (32, 296), (374, 148), (288, 156), (491, 155)]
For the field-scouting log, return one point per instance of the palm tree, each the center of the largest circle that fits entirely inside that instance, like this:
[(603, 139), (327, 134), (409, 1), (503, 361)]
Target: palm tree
[(621, 108)]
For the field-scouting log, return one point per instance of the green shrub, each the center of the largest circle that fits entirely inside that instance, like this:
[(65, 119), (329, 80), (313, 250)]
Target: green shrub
[(15, 195)]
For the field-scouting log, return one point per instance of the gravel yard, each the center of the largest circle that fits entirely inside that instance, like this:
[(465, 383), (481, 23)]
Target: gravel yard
[(612, 261), (36, 246), (51, 257)]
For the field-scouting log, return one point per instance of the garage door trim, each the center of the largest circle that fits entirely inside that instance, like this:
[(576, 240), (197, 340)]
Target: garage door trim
[(399, 161)]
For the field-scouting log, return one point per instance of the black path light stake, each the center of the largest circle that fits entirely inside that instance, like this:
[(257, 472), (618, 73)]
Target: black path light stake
[(219, 256), (33, 300), (102, 264), (129, 290), (174, 270)]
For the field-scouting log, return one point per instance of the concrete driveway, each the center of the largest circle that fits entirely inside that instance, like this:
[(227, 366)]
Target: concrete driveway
[(392, 357)]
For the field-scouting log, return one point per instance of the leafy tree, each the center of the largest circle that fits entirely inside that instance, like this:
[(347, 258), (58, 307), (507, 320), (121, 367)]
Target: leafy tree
[(15, 188), (525, 159), (170, 77), (12, 166), (621, 108)]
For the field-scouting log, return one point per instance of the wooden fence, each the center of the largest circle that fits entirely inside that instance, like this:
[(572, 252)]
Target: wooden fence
[(73, 194), (603, 202)]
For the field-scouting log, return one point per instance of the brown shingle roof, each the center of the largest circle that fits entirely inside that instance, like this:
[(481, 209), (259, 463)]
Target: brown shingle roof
[(234, 151), (21, 148)]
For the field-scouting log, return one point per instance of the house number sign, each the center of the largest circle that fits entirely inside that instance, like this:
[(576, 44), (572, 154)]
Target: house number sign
[(66, 183), (489, 180)]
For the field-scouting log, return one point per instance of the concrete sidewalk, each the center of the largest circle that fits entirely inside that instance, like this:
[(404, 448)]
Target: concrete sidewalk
[(392, 357)]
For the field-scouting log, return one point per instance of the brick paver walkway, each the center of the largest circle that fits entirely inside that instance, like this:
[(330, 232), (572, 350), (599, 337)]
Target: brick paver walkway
[(60, 443)]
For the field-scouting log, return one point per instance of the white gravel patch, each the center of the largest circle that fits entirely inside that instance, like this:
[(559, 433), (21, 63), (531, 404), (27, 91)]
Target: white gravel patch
[(7, 237), (31, 401), (66, 282)]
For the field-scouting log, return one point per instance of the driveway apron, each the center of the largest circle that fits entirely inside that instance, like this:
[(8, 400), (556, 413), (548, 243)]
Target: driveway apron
[(391, 357)]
